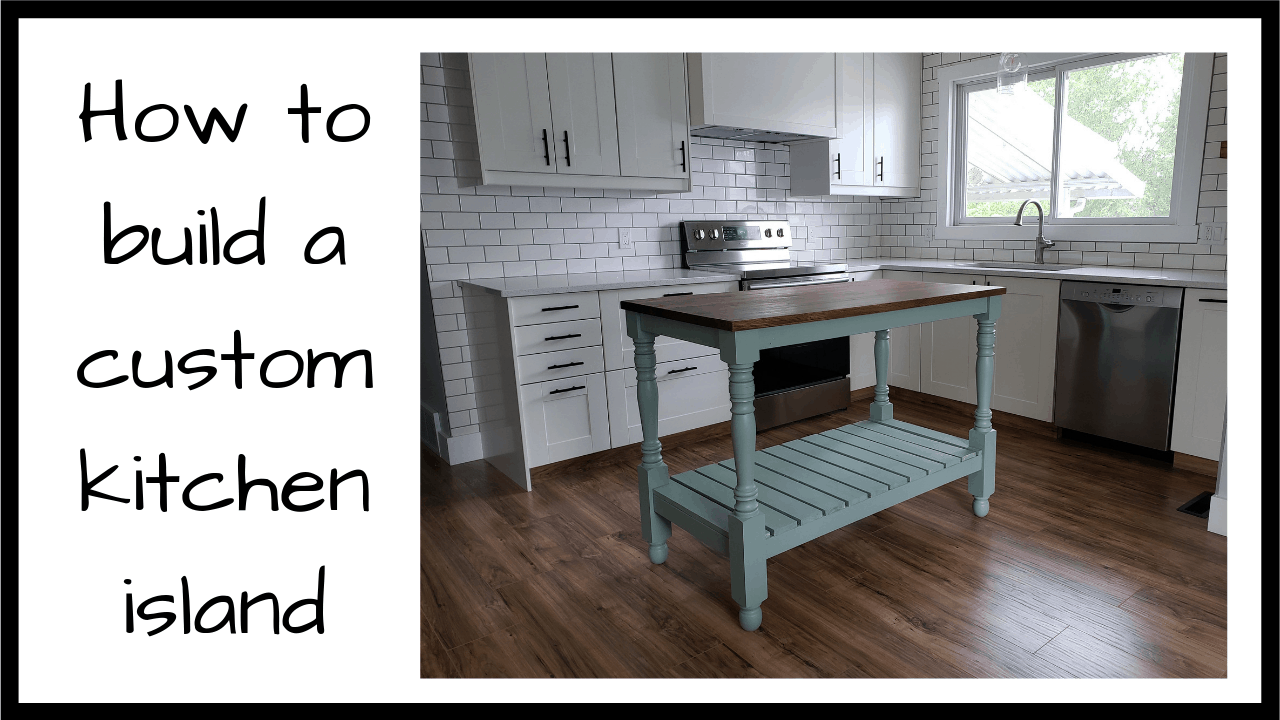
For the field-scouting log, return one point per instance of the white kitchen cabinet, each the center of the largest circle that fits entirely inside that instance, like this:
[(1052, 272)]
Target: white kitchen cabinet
[(513, 111), (862, 359), (653, 114), (619, 351), (878, 150), (1026, 345), (552, 120), (564, 418), (583, 114), (904, 343), (1200, 393), (777, 92), (1026, 340), (948, 348), (691, 394)]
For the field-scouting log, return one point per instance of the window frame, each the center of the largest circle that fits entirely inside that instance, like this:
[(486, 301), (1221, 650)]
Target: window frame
[(1179, 227)]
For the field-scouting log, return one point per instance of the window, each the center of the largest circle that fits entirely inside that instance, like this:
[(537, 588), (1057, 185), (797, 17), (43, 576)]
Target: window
[(1103, 143)]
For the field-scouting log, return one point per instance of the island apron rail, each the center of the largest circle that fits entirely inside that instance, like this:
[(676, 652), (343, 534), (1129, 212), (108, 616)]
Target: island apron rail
[(766, 502)]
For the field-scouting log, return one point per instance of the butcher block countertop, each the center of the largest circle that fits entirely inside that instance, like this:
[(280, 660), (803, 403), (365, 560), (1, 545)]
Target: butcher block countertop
[(755, 309)]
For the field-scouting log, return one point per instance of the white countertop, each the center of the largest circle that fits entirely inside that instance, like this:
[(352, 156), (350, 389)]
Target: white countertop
[(583, 282), (1207, 279)]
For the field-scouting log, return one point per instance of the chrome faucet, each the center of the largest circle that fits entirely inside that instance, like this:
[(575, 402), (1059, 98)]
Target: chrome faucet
[(1041, 242)]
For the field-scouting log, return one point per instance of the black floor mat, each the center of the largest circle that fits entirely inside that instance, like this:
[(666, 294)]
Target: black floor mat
[(1198, 505)]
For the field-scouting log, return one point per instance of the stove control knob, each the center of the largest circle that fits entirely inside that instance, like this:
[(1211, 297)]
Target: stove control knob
[(779, 232), (715, 234), (699, 234), (768, 232)]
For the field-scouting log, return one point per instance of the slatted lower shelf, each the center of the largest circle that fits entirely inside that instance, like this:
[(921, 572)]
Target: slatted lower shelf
[(811, 486)]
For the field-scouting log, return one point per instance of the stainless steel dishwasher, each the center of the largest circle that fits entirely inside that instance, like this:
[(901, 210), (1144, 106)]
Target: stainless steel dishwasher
[(1117, 357)]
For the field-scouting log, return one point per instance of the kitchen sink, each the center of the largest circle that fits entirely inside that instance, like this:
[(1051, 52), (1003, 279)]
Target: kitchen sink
[(1045, 267)]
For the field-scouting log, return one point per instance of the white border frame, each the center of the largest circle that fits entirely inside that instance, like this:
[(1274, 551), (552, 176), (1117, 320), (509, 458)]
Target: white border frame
[(1187, 165)]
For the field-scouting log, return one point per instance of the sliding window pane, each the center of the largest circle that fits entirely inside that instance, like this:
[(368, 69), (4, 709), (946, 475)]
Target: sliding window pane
[(1118, 139), (1008, 148)]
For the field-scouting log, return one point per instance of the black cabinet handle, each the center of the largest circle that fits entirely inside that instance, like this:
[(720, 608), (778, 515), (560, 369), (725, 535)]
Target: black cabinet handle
[(546, 147), (675, 294), (682, 157), (880, 162), (562, 307), (837, 166), (673, 372), (557, 367), (563, 337), (568, 389), (1213, 300), (567, 163)]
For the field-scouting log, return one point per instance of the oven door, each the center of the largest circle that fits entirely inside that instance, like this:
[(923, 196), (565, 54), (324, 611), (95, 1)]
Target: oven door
[(800, 366), (764, 283)]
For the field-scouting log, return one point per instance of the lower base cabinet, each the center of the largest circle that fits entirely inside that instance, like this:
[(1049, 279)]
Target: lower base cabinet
[(1200, 395), (904, 343), (564, 418), (685, 401)]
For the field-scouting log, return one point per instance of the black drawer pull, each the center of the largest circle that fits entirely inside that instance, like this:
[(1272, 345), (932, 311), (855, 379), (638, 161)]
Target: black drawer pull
[(675, 294), (557, 367), (1212, 300), (564, 337), (562, 307), (673, 372), (568, 389)]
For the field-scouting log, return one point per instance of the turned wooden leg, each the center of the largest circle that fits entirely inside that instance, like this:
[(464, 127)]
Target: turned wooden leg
[(881, 408), (982, 437), (654, 528), (746, 525)]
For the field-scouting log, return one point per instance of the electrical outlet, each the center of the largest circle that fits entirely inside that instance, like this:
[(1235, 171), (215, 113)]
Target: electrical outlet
[(1214, 233), (927, 232), (624, 238)]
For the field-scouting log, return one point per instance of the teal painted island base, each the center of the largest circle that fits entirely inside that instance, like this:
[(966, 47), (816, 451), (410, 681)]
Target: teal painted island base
[(762, 503)]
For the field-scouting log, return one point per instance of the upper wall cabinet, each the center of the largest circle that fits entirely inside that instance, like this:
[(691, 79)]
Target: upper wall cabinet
[(778, 92), (582, 120), (878, 151)]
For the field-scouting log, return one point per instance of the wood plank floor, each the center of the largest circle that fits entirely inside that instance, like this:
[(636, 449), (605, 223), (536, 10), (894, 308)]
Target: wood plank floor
[(1083, 568)]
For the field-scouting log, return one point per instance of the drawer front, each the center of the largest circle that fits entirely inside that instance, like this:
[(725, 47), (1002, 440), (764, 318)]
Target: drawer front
[(540, 309), (557, 336), (684, 403), (676, 369), (563, 419), (561, 364), (618, 348)]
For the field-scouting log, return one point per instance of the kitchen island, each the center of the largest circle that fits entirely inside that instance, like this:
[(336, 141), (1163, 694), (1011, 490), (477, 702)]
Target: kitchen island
[(764, 503)]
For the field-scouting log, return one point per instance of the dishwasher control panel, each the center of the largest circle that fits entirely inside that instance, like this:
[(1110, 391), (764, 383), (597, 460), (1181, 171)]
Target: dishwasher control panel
[(1111, 294)]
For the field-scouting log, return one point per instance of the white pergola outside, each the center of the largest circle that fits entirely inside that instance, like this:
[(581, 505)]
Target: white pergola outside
[(1010, 154)]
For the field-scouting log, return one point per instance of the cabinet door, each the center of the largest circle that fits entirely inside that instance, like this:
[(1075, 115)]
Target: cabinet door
[(564, 418), (948, 349), (852, 160), (685, 402), (1200, 396), (1026, 343), (862, 360), (513, 110), (619, 351), (897, 118), (904, 344), (582, 110), (653, 116)]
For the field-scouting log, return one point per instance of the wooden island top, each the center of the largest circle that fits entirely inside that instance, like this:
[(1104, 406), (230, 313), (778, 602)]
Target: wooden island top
[(754, 309)]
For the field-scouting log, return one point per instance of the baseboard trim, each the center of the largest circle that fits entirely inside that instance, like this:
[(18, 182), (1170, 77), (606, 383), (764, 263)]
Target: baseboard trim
[(1191, 463)]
